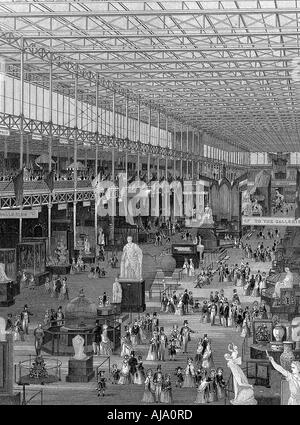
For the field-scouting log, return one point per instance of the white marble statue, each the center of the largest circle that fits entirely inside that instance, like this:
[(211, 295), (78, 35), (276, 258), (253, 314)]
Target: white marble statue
[(117, 292), (200, 247), (286, 283), (2, 329), (207, 216), (78, 345), (131, 261), (243, 391), (87, 246), (3, 277), (100, 239)]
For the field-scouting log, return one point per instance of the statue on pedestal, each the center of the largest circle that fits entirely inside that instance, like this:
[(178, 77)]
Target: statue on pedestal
[(207, 216), (61, 253), (117, 292), (286, 283), (87, 246), (78, 345), (243, 391), (131, 261)]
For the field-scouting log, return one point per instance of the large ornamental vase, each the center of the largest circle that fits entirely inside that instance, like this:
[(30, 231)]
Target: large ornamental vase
[(278, 332), (287, 357)]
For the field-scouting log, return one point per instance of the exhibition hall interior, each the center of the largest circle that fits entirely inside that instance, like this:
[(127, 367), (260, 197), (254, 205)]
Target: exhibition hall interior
[(149, 202)]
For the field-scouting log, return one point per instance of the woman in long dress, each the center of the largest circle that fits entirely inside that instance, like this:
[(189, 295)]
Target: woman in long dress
[(105, 344), (198, 356), (243, 391), (126, 346), (153, 349), (293, 379), (207, 358), (148, 396), (139, 376), (166, 393), (202, 391), (125, 372), (189, 376)]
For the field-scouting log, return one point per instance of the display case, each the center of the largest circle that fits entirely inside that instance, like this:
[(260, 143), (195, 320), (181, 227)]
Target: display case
[(8, 258), (31, 257)]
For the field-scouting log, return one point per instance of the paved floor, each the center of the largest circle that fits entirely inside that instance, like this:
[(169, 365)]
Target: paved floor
[(65, 393)]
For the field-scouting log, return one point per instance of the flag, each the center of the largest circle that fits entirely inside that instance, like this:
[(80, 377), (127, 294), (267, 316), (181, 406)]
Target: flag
[(297, 200), (49, 180), (18, 182)]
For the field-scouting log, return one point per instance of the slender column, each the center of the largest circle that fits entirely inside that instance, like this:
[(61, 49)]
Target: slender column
[(113, 168), (193, 150), (187, 149), (181, 148), (174, 148), (158, 144), (149, 142), (75, 160), (126, 118), (96, 159), (27, 150), (21, 130), (50, 140)]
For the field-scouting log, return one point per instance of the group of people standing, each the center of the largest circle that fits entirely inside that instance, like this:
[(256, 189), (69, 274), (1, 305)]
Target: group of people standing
[(57, 287), (177, 303)]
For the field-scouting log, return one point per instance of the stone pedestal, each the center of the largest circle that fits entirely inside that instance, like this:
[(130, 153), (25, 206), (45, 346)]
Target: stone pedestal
[(80, 370), (7, 396), (133, 296), (7, 293)]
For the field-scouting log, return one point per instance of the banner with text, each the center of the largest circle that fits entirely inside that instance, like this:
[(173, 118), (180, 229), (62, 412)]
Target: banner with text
[(270, 221), (19, 214)]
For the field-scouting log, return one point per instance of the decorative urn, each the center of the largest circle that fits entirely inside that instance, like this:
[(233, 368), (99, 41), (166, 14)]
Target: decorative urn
[(278, 332), (287, 357)]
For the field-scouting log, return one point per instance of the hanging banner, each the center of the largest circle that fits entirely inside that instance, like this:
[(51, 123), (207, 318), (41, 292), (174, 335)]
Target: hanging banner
[(86, 203), (270, 221), (4, 132), (19, 214)]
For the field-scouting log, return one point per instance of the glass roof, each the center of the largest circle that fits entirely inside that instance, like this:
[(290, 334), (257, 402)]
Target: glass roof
[(226, 67)]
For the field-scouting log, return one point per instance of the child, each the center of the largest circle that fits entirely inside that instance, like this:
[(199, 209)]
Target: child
[(179, 377), (166, 394), (172, 349), (101, 383), (220, 382), (115, 374)]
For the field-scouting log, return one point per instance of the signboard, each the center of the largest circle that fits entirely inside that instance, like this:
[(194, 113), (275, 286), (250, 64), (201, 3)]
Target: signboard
[(4, 132), (36, 136), (62, 206), (270, 221), (86, 203), (5, 214), (184, 249)]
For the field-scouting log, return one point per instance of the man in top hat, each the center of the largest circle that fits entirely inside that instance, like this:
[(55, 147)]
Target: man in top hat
[(158, 381), (132, 362), (163, 342)]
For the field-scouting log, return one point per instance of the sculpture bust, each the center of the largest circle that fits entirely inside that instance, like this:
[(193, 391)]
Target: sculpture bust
[(131, 261), (117, 292), (78, 345)]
